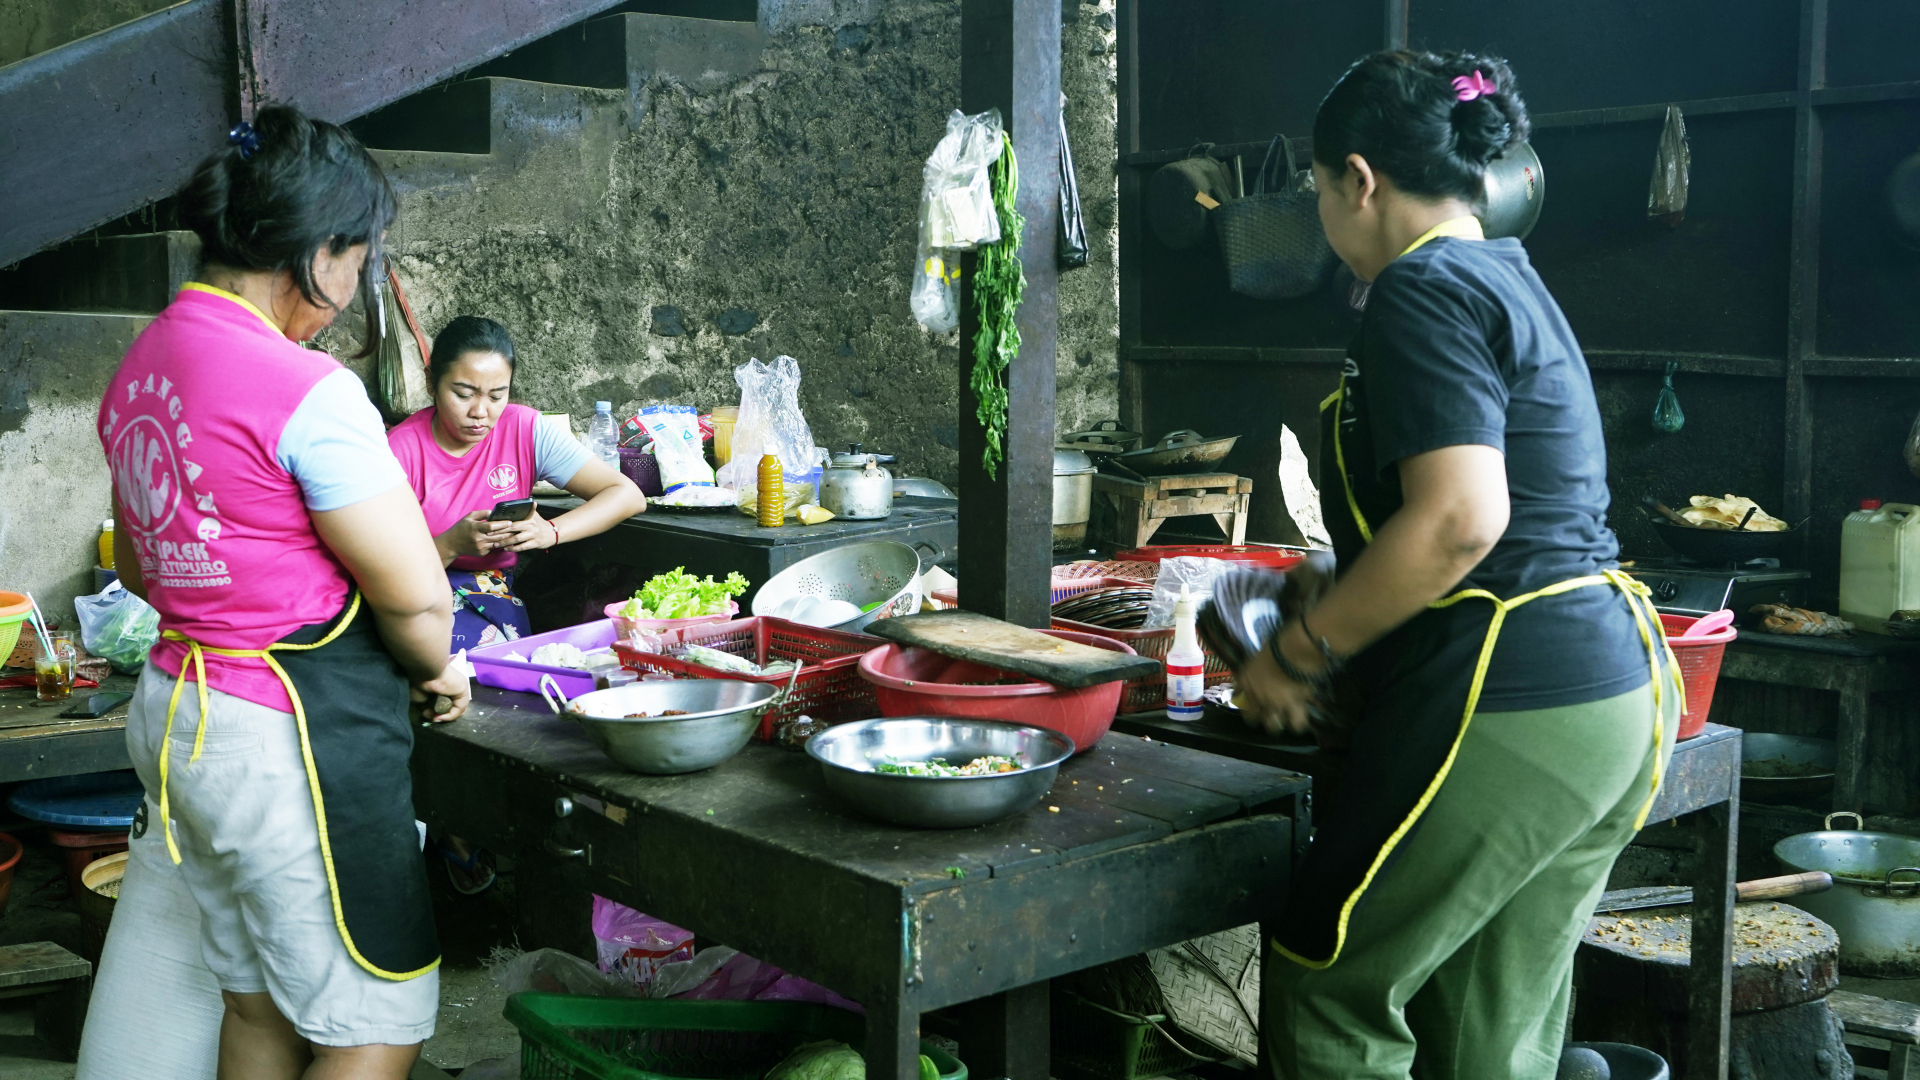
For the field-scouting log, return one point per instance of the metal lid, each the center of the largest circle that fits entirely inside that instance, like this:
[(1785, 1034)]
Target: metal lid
[(856, 458), (1071, 463)]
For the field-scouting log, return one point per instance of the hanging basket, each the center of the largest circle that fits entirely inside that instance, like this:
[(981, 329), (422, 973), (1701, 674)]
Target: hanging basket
[(1271, 240)]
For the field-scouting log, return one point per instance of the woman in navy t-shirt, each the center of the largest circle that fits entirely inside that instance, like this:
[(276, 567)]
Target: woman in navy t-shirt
[(1516, 718)]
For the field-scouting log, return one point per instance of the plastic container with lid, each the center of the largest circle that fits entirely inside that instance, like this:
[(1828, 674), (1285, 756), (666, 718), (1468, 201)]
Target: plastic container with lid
[(724, 418), (1879, 563)]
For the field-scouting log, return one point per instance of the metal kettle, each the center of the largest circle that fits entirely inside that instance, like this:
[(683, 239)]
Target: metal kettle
[(855, 486)]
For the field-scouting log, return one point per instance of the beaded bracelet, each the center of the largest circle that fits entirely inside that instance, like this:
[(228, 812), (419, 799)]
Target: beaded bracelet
[(1319, 680)]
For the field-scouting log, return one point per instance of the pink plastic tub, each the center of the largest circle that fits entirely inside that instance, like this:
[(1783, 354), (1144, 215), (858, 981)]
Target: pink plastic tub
[(910, 681)]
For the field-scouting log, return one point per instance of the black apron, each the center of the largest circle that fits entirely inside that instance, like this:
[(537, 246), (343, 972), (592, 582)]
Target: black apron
[(1415, 683), (350, 702)]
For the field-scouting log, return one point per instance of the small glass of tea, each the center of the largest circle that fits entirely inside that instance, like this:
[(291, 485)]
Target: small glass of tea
[(53, 670)]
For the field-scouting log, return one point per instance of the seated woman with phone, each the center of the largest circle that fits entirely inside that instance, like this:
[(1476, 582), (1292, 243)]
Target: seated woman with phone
[(472, 459)]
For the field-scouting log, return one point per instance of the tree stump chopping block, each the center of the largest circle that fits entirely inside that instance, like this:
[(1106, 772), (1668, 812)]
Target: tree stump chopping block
[(1632, 972)]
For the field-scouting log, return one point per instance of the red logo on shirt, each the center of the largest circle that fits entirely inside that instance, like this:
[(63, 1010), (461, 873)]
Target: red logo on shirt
[(503, 478)]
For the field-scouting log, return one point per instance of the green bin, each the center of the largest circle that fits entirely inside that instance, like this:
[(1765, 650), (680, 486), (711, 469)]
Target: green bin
[(571, 1037)]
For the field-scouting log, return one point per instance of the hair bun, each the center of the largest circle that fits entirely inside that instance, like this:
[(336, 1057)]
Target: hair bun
[(1482, 130)]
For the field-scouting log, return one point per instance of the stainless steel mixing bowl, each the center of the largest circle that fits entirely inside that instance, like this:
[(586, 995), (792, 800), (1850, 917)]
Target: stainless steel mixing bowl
[(721, 717), (847, 754)]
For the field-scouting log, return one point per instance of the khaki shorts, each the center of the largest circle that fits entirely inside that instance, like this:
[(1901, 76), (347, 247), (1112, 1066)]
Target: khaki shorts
[(250, 861)]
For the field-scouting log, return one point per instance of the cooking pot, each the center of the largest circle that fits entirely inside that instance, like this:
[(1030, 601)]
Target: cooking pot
[(1072, 498), (1516, 188), (856, 488), (1874, 904)]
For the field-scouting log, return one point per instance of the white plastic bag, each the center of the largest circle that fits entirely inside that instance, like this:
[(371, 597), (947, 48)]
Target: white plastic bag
[(956, 214), (117, 625), (675, 430), (769, 417), (1195, 573)]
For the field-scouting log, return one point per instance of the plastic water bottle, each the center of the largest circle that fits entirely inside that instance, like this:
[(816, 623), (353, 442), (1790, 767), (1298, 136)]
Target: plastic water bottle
[(603, 437), (1186, 663)]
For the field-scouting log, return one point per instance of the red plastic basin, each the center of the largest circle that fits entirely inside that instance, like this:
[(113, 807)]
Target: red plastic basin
[(10, 852), (911, 681), (1699, 660)]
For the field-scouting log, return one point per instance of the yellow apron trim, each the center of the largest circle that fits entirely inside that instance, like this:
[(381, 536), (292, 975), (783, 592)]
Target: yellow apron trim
[(211, 290), (1339, 401), (1460, 228), (195, 654), (1637, 595)]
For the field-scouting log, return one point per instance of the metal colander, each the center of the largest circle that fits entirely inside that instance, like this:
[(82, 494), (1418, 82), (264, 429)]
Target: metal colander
[(884, 573)]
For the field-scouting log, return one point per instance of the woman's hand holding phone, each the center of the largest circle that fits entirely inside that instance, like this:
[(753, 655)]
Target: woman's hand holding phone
[(471, 535), (530, 535)]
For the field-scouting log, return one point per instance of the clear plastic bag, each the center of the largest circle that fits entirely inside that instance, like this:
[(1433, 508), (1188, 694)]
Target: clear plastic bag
[(1672, 163), (794, 494), (1195, 573), (675, 430), (769, 416), (956, 214), (118, 626)]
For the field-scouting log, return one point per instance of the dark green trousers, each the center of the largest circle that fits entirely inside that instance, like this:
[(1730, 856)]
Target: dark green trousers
[(1460, 954)]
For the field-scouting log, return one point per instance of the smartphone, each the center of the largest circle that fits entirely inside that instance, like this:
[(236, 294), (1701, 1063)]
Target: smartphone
[(96, 706), (511, 510)]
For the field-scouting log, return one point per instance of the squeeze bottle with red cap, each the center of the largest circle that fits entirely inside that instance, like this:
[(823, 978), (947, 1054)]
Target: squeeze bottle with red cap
[(1186, 664)]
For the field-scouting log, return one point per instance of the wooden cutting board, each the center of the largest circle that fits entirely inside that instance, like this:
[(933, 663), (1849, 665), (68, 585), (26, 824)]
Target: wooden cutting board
[(966, 635)]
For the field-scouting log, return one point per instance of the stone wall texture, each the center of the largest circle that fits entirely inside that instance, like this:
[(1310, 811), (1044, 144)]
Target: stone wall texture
[(642, 244)]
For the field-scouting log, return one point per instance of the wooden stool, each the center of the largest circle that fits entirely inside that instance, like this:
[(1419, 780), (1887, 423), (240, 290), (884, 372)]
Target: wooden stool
[(65, 980), (1632, 971), (1126, 513), (1881, 1034)]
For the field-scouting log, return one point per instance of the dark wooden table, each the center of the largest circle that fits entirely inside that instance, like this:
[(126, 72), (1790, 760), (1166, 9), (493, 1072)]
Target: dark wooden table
[(716, 544), (36, 743), (1856, 668), (1140, 845), (1703, 779)]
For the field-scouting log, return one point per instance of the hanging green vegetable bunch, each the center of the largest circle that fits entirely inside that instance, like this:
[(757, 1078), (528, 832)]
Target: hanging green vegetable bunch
[(997, 285)]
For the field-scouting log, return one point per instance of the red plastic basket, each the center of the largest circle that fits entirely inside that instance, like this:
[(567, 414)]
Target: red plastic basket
[(1148, 692), (1272, 557), (1064, 585), (1699, 660), (829, 688)]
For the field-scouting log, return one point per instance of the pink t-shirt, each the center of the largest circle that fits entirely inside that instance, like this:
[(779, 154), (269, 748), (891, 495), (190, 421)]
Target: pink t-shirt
[(192, 424), (501, 466)]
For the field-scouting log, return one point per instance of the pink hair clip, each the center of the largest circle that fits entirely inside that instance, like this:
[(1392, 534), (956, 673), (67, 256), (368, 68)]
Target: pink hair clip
[(1468, 87)]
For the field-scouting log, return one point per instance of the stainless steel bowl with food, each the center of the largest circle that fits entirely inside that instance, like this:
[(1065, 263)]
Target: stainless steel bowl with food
[(938, 772), (667, 727)]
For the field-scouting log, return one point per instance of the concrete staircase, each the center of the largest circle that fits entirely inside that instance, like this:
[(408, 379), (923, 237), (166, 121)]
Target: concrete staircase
[(535, 129)]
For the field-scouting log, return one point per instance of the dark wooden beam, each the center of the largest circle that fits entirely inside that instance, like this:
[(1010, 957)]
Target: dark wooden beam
[(1010, 60), (1803, 274), (1133, 222)]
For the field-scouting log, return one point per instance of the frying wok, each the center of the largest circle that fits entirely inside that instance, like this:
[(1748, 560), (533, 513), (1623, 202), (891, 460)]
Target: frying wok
[(1722, 545), (1178, 452)]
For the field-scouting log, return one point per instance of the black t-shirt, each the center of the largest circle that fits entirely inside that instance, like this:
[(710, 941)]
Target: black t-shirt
[(1463, 345)]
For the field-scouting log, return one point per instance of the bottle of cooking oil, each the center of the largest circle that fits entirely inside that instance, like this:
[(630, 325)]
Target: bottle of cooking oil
[(770, 503), (106, 544)]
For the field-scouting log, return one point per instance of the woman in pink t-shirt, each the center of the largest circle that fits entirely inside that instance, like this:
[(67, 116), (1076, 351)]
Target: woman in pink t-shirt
[(258, 510), (471, 450)]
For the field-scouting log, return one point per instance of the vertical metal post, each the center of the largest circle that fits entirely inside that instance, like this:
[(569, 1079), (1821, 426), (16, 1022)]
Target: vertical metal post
[(1010, 60), (1398, 12), (1803, 280), (1132, 189)]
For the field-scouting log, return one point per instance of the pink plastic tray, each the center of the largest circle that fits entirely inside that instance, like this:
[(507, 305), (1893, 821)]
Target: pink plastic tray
[(490, 668)]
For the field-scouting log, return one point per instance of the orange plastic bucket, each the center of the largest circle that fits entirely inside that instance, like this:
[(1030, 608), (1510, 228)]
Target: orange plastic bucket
[(1699, 660)]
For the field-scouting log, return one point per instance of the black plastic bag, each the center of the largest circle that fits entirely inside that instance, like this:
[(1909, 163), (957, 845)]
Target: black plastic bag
[(1073, 225)]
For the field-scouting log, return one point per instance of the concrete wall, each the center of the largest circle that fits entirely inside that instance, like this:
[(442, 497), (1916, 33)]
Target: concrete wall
[(54, 367), (34, 26), (641, 244)]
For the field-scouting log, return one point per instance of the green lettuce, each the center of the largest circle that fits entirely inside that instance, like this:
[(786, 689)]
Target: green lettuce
[(677, 594)]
